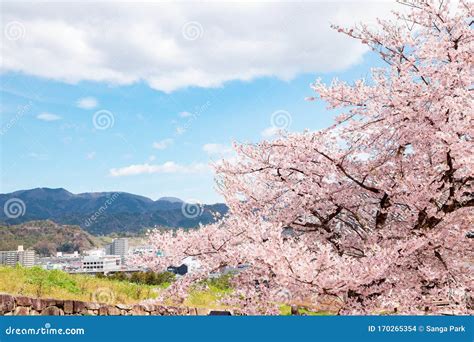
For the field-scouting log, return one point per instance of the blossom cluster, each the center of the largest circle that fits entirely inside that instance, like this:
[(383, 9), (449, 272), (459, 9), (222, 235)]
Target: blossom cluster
[(374, 210)]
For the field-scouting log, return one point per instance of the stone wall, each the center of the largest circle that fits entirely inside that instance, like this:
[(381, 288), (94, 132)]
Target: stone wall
[(22, 306)]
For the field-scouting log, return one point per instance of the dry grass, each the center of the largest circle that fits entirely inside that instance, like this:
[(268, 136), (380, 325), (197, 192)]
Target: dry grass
[(40, 283)]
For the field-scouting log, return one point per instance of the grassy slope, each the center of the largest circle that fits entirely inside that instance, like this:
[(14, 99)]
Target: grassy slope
[(46, 237), (208, 293), (285, 310), (37, 282)]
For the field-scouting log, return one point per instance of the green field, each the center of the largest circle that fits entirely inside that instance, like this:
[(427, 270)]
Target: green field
[(207, 294), (40, 283)]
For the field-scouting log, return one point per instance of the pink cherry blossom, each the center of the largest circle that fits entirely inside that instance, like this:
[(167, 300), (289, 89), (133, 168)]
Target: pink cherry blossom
[(372, 211)]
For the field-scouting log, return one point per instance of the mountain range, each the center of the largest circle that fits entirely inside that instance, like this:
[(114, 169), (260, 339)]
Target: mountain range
[(101, 213)]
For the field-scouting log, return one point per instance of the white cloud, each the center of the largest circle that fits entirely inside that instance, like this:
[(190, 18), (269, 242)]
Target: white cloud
[(270, 132), (217, 149), (163, 144), (180, 130), (125, 42), (48, 117), (38, 156), (90, 155), (87, 103), (168, 167), (185, 114)]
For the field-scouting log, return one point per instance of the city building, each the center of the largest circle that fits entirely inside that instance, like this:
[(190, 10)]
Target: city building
[(95, 252), (23, 257), (192, 263), (117, 247), (53, 266), (189, 265), (65, 262), (178, 270), (67, 256), (8, 258), (142, 250), (103, 264)]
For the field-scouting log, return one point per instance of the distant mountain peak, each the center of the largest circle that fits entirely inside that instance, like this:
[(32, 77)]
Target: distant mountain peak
[(42, 192), (45, 189), (171, 199)]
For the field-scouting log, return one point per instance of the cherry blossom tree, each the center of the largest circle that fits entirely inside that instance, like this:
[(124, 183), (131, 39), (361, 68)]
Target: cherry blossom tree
[(373, 211)]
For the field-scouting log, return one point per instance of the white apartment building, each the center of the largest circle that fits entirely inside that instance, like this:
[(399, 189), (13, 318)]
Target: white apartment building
[(118, 247), (67, 256), (23, 257)]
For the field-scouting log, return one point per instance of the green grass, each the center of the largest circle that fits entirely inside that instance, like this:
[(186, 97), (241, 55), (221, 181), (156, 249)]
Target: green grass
[(41, 283), (161, 280), (208, 293)]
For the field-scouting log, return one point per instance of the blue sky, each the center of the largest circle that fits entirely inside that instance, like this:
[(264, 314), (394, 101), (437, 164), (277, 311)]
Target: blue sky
[(164, 134)]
